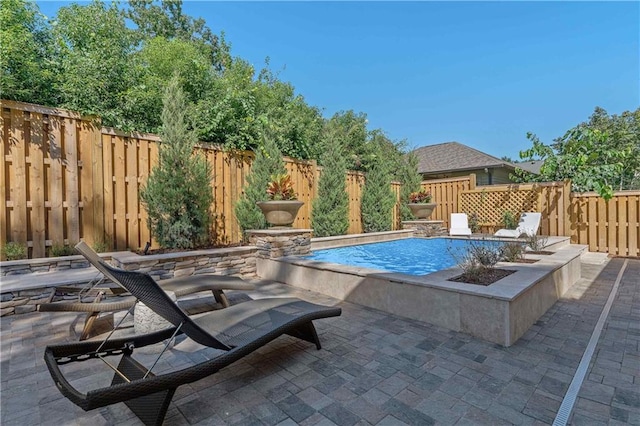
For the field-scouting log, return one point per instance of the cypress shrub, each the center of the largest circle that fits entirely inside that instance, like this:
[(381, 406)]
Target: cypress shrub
[(268, 162), (410, 178), (330, 213), (178, 193), (377, 198)]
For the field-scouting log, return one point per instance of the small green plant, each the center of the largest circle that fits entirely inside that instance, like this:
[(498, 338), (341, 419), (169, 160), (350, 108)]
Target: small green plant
[(509, 220), (475, 258), (512, 252), (536, 242), (14, 251), (474, 222), (58, 250), (281, 188), (100, 246)]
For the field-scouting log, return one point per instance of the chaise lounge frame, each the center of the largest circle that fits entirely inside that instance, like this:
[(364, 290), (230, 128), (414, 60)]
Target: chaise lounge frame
[(236, 331), (180, 286)]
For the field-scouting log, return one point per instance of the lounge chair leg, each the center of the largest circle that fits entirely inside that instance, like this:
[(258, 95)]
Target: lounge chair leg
[(151, 409), (90, 319), (307, 332), (221, 298)]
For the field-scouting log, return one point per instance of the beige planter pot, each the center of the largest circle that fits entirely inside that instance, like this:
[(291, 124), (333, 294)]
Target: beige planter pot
[(280, 213), (422, 210)]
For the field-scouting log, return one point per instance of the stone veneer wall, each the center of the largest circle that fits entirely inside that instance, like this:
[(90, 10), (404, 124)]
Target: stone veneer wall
[(425, 228), (273, 243), (224, 261), (49, 264)]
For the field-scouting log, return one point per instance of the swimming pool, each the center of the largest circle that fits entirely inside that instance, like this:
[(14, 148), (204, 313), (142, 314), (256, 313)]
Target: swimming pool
[(413, 256)]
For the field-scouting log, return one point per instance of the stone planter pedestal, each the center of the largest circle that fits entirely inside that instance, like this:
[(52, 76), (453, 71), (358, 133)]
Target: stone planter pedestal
[(274, 243), (425, 228), (422, 210)]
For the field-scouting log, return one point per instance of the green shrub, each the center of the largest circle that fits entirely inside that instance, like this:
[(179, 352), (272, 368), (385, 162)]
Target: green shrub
[(474, 222), (476, 258), (536, 242), (268, 162), (58, 250), (509, 220), (14, 251), (100, 246), (410, 179), (178, 193), (377, 198), (512, 252), (330, 213)]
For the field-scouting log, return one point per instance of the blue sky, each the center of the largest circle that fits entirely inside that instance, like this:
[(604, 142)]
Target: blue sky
[(480, 73)]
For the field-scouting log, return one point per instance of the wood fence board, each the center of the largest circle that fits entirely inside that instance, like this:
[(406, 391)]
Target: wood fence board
[(154, 159), (622, 226), (634, 225), (37, 185), (4, 143), (85, 154), (120, 193), (109, 201), (97, 188), (143, 173), (133, 200), (72, 198), (612, 222), (18, 175), (55, 182)]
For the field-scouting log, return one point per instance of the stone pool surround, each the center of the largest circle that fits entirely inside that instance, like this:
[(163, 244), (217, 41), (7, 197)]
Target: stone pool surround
[(500, 313)]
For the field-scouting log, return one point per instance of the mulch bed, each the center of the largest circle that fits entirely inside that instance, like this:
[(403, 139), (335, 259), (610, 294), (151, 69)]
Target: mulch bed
[(486, 277), (545, 252)]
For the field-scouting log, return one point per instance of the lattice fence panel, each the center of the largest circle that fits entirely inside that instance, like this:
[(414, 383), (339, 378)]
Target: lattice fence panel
[(489, 204)]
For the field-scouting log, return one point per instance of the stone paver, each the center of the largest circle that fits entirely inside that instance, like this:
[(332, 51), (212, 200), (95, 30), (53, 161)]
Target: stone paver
[(374, 368)]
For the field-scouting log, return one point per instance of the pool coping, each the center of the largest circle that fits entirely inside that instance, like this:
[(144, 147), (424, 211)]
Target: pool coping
[(500, 313)]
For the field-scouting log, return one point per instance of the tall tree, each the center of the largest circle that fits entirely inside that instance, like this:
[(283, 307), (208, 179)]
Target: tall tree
[(377, 198), (94, 47), (27, 72), (599, 155), (330, 213), (410, 179), (178, 193), (165, 19)]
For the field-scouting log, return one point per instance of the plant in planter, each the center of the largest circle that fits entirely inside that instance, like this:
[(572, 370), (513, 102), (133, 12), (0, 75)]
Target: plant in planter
[(420, 204), (478, 263), (282, 205)]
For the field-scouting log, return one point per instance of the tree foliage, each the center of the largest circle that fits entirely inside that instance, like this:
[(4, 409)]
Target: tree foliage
[(178, 193), (377, 198), (26, 71), (330, 213), (410, 179), (602, 154), (267, 163)]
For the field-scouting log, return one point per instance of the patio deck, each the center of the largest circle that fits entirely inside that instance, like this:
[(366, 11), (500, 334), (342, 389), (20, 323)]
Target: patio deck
[(374, 368)]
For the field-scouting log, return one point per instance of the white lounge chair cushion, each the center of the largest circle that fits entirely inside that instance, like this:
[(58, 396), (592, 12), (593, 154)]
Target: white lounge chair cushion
[(459, 224)]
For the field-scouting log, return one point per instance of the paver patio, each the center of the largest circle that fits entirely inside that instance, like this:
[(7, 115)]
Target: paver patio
[(374, 368)]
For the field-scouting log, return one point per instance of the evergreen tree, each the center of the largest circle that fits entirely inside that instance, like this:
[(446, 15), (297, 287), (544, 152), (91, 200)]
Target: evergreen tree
[(178, 192), (377, 198), (410, 179), (268, 162), (330, 213)]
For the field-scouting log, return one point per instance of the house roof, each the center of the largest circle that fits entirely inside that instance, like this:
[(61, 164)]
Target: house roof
[(454, 156), (531, 166)]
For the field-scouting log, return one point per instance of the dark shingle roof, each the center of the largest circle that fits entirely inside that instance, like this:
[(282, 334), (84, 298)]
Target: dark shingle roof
[(450, 156), (531, 166)]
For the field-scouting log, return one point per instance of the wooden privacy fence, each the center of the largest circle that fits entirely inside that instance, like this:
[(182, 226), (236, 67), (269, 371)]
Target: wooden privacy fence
[(609, 227), (66, 178)]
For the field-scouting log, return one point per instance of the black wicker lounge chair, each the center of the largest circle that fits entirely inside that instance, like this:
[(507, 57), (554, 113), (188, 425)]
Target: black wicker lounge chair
[(236, 331), (180, 286)]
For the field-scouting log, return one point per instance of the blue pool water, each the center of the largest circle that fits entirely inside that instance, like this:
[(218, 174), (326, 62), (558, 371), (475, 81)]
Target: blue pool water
[(414, 256)]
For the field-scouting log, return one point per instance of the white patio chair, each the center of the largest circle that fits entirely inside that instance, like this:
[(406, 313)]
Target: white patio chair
[(529, 224), (459, 224)]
